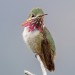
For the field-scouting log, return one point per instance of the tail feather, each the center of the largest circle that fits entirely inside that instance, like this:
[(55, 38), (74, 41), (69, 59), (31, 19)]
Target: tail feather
[(46, 56)]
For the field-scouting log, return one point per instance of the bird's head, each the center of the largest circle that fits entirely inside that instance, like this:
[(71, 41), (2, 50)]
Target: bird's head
[(35, 19)]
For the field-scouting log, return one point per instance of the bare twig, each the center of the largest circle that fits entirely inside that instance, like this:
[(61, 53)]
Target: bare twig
[(28, 73), (42, 67)]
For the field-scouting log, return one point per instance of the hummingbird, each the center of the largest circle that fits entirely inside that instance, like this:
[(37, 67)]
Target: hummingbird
[(38, 38)]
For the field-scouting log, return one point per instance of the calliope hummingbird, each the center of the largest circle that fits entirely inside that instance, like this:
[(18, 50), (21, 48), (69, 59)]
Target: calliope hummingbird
[(38, 38)]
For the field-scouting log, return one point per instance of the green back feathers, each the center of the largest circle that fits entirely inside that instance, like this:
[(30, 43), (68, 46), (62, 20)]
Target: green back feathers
[(50, 39)]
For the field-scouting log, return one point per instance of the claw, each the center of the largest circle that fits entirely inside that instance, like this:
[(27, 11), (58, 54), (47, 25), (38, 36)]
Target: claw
[(36, 55)]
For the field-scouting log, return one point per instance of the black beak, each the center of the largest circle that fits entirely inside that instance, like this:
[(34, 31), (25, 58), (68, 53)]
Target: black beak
[(42, 15)]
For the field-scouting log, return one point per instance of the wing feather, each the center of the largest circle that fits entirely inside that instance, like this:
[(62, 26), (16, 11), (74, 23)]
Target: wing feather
[(47, 50)]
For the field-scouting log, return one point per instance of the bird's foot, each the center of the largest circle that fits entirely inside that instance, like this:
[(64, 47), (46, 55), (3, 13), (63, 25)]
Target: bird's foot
[(36, 55)]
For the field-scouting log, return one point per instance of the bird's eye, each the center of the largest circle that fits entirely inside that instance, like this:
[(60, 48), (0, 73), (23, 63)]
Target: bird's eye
[(33, 15)]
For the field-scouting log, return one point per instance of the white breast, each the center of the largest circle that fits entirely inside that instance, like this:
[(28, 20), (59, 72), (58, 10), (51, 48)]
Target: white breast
[(26, 34)]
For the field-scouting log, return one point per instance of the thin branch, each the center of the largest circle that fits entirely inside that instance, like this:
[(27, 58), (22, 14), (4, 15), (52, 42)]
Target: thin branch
[(42, 67), (28, 73)]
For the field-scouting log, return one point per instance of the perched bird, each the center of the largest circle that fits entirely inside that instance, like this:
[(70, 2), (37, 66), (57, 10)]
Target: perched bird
[(38, 38)]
